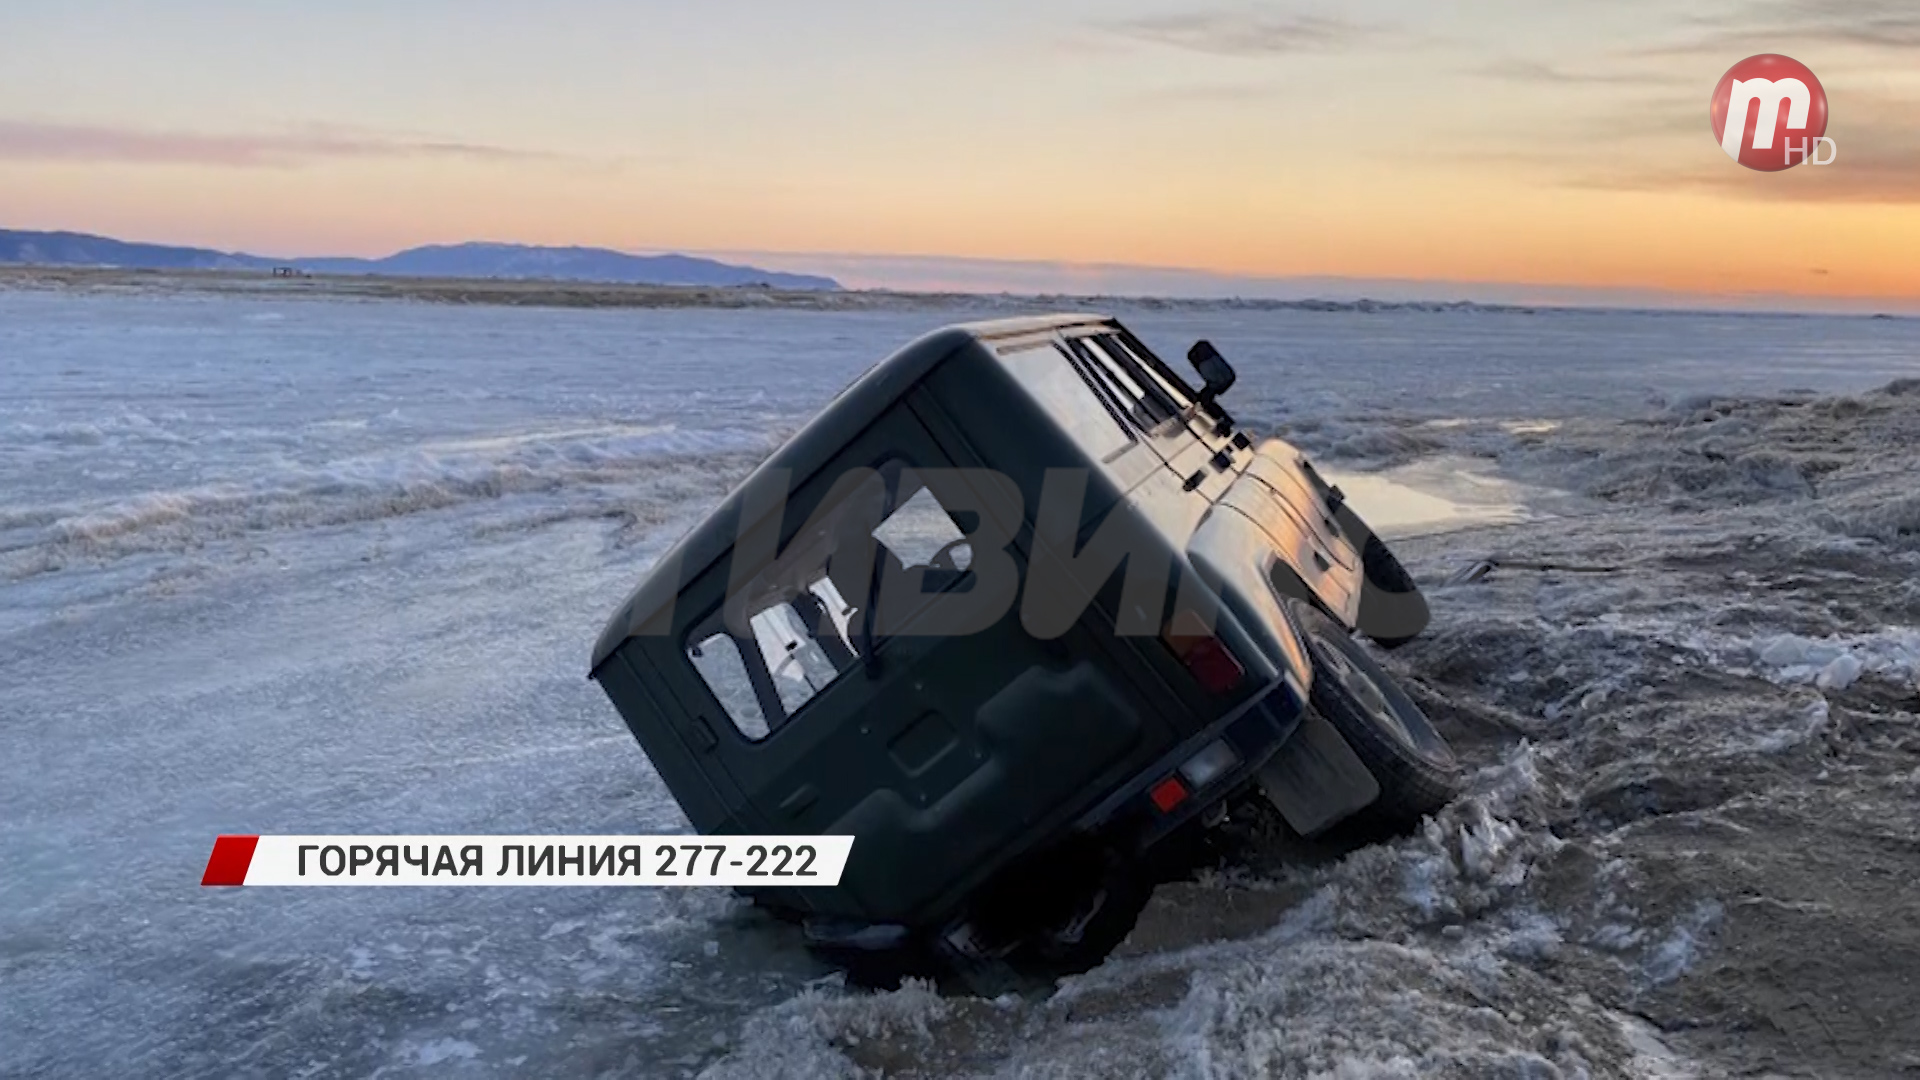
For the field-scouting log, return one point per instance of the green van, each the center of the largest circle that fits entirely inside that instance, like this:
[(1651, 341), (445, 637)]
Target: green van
[(1017, 606)]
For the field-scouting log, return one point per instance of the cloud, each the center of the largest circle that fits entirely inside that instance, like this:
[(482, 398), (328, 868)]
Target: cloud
[(1532, 71), (1209, 94), (1782, 25), (1668, 146), (1244, 33), (31, 141), (1882, 174)]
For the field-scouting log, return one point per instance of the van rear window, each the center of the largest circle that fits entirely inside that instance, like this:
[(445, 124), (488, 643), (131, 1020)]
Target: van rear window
[(922, 529), (794, 653), (717, 659), (795, 645)]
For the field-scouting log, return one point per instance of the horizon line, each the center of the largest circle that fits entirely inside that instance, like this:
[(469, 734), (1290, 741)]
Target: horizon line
[(922, 273)]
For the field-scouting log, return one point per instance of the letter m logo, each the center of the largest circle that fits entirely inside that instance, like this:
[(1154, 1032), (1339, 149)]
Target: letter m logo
[(1765, 95)]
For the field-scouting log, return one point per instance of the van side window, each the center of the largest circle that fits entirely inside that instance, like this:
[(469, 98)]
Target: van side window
[(1050, 376), (718, 661), (1169, 384), (1140, 397)]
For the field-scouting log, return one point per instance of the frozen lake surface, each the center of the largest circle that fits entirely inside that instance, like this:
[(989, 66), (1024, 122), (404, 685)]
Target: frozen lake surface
[(336, 567)]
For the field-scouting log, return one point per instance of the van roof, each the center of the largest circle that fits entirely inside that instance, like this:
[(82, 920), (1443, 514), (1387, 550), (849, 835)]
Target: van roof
[(848, 414), (998, 329)]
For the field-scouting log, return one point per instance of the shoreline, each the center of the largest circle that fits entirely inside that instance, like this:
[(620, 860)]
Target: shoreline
[(594, 295), (495, 292)]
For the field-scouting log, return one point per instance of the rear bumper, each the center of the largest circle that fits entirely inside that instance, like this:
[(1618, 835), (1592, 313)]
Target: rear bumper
[(1127, 820), (1255, 731)]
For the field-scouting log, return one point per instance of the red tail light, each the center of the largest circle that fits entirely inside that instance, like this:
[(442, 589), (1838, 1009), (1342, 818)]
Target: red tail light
[(1213, 666), (1168, 794), (1209, 661)]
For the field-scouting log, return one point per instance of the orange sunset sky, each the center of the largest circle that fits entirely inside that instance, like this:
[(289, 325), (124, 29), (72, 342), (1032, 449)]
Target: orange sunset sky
[(1542, 144)]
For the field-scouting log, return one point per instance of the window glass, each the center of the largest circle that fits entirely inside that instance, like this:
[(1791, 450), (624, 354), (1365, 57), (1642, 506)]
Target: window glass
[(1148, 407), (798, 664), (1169, 387), (1051, 377), (718, 661), (920, 529), (800, 643), (838, 610)]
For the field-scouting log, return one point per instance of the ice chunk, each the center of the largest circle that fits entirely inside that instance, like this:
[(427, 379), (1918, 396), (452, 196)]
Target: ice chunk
[(1787, 650), (1841, 673), (1813, 722), (1837, 662)]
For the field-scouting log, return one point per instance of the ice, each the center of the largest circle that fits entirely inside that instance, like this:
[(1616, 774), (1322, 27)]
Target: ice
[(1674, 955), (800, 1038), (440, 1051), (1652, 1058), (1434, 494), (1790, 651), (1840, 673), (325, 566), (1836, 662), (1482, 843)]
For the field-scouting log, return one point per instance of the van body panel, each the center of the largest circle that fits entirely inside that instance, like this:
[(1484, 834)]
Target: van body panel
[(1275, 466)]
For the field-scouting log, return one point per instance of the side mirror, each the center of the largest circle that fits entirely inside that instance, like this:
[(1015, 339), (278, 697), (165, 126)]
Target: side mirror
[(1213, 368)]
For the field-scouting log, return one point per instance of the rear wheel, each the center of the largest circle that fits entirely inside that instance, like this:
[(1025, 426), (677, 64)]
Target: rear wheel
[(1416, 769), (1062, 910), (1098, 926), (996, 952)]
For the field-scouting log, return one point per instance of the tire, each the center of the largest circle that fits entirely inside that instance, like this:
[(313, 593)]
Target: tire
[(1416, 769), (1097, 931), (1061, 910)]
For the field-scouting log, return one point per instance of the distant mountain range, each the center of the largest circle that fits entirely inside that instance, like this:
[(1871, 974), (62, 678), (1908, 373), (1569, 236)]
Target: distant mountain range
[(474, 260)]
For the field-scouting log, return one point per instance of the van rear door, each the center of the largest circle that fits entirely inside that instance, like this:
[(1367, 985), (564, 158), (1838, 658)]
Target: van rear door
[(941, 752)]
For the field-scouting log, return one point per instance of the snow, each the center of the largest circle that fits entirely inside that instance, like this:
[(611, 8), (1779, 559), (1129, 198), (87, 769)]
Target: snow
[(327, 566)]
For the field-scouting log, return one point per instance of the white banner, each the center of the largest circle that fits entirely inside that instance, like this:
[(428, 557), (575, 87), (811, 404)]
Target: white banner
[(765, 861)]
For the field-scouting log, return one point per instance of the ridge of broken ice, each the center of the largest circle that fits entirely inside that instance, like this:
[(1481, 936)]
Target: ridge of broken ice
[(1837, 661)]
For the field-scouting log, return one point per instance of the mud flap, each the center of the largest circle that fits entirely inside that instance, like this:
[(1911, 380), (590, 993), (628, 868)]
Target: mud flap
[(1316, 780)]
